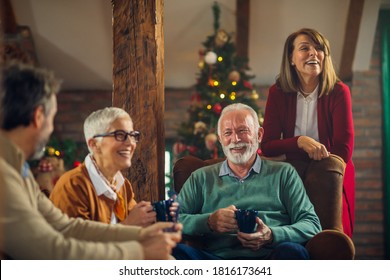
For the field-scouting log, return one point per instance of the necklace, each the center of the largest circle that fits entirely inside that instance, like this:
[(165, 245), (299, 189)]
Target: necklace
[(111, 185), (119, 206)]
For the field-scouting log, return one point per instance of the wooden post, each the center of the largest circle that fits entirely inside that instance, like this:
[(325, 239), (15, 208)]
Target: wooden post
[(242, 27), (7, 17), (138, 80)]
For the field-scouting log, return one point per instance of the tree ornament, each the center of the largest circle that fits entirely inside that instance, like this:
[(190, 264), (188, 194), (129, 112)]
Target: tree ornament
[(196, 103), (221, 38), (234, 76), (178, 148), (210, 58), (200, 128), (211, 141), (217, 108), (192, 149), (49, 171), (247, 84), (254, 95)]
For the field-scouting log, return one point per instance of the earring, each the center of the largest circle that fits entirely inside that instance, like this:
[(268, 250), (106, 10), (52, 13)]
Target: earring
[(292, 64)]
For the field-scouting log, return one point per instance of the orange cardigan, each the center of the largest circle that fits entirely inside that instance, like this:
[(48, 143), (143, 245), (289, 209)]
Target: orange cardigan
[(75, 195)]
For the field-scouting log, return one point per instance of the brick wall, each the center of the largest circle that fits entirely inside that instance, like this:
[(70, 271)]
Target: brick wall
[(73, 109), (367, 112), (75, 106)]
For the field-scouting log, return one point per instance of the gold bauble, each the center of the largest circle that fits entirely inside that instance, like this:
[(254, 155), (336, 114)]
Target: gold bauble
[(234, 76), (221, 38), (254, 95)]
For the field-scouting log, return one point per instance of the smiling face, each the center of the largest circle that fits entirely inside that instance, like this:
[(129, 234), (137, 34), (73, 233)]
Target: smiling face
[(307, 58), (238, 137), (112, 155)]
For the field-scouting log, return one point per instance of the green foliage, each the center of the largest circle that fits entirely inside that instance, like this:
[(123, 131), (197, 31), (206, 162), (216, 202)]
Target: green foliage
[(71, 151)]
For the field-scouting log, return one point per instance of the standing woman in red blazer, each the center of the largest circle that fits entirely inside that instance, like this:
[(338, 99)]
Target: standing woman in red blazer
[(309, 113)]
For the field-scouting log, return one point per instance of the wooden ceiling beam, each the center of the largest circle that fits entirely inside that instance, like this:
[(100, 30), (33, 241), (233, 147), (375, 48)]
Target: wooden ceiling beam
[(350, 39), (242, 27), (7, 17)]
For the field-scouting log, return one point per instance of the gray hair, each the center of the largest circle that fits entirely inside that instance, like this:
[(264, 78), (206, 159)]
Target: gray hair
[(22, 89), (99, 122), (239, 107)]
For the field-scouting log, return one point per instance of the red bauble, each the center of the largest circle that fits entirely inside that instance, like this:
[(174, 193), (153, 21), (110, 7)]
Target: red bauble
[(178, 148), (217, 108), (76, 163), (192, 149), (247, 84)]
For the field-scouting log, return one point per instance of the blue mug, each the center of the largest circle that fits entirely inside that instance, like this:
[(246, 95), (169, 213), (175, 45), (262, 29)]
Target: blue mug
[(162, 211), (246, 220)]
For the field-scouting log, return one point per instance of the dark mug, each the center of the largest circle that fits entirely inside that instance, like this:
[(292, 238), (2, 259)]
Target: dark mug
[(246, 220), (162, 211)]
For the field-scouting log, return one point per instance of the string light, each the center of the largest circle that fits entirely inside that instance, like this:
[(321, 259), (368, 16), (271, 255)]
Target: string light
[(215, 83), (209, 107), (222, 95), (234, 83), (220, 58)]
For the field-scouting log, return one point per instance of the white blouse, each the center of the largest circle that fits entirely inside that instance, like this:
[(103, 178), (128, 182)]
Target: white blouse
[(306, 123)]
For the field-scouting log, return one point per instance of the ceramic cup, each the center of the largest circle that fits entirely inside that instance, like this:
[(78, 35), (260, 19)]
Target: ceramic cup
[(246, 220), (162, 211)]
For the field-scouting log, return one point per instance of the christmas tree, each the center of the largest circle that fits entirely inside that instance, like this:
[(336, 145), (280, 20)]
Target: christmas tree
[(223, 79)]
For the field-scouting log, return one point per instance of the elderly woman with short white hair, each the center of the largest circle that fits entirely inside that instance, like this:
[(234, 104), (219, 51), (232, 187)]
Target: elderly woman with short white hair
[(97, 190)]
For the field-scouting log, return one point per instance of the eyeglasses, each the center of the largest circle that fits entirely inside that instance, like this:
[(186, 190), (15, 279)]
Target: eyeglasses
[(121, 135)]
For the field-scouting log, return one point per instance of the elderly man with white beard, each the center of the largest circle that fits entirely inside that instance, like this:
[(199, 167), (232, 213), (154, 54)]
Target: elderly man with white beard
[(210, 197)]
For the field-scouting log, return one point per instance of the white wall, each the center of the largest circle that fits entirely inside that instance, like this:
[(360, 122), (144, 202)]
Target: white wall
[(74, 37)]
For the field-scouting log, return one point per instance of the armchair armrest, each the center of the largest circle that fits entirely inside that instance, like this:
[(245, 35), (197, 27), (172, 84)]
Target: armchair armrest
[(331, 244)]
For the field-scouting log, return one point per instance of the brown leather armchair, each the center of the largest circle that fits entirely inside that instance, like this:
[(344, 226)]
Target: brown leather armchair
[(323, 182)]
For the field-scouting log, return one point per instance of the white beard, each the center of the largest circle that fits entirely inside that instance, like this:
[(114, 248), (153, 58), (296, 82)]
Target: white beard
[(238, 158)]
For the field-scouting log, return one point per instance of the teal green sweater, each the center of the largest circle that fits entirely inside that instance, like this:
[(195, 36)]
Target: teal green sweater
[(276, 191)]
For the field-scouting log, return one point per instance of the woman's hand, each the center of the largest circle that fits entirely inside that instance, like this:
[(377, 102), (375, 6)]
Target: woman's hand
[(314, 149), (141, 215)]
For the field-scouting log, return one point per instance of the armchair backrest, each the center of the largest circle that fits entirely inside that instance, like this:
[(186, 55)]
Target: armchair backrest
[(323, 181), (184, 166)]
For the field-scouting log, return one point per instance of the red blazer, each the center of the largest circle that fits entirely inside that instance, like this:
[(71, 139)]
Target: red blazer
[(335, 129)]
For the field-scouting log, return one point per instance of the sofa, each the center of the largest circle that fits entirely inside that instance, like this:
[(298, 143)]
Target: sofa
[(323, 183)]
